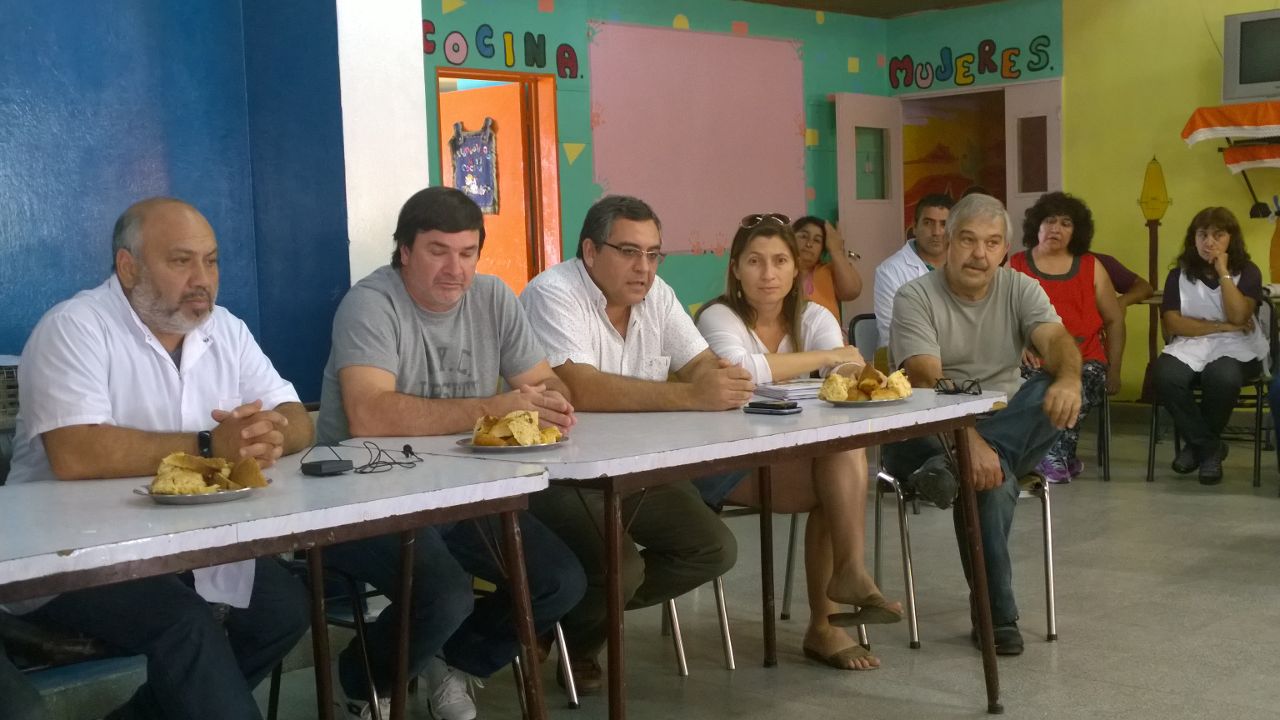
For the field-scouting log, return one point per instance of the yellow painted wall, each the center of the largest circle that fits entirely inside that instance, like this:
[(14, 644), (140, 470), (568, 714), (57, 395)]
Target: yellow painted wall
[(1134, 70)]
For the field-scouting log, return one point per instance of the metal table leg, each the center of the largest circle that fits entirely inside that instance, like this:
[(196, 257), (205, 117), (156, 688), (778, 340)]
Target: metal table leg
[(969, 515)]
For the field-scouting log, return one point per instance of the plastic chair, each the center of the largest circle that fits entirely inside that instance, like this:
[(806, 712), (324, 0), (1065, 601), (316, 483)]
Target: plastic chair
[(1031, 486), (1253, 396)]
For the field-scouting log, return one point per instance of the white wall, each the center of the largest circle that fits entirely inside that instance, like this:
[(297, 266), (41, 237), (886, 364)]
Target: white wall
[(384, 120)]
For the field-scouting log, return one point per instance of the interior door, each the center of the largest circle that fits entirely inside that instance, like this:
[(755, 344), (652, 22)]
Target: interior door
[(1033, 144), (506, 247), (869, 181)]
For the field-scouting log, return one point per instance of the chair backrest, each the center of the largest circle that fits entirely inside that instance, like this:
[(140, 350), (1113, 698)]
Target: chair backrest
[(864, 335)]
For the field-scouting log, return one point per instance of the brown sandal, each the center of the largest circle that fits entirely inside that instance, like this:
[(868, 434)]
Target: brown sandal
[(841, 658), (872, 610)]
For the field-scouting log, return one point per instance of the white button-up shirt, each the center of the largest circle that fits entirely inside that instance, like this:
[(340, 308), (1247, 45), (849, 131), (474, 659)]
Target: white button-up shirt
[(91, 360), (897, 270), (567, 311)]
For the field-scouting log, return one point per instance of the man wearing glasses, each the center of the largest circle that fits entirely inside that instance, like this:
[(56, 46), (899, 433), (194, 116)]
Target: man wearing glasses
[(962, 328), (614, 332)]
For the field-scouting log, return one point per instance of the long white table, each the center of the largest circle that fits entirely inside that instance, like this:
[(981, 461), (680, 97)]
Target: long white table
[(61, 536), (622, 453)]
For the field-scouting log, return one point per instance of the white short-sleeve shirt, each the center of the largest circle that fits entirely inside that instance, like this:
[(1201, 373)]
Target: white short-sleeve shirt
[(731, 339), (897, 270), (91, 360), (567, 311)]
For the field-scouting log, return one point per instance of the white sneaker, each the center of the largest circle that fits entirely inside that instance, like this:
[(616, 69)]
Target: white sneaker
[(349, 709), (450, 697)]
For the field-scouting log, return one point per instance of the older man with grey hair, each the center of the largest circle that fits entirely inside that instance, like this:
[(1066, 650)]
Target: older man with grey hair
[(969, 321)]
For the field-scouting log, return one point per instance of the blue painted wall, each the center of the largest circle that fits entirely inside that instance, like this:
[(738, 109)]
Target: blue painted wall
[(299, 181), (102, 104)]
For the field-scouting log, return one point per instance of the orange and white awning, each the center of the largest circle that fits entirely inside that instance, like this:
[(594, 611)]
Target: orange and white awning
[(1247, 121)]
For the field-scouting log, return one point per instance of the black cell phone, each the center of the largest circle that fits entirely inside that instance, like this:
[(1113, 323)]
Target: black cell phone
[(771, 411), (773, 404)]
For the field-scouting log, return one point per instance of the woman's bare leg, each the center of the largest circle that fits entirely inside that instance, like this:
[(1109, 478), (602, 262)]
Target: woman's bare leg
[(822, 637)]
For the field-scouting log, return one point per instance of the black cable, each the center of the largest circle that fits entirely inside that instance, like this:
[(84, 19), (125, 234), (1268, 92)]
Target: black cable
[(382, 460)]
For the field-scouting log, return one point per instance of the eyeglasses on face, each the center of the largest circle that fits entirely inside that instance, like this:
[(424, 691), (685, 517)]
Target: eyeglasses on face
[(947, 386), (634, 253), (751, 221)]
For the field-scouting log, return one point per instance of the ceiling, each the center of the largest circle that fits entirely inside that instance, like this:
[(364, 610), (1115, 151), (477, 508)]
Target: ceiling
[(874, 8)]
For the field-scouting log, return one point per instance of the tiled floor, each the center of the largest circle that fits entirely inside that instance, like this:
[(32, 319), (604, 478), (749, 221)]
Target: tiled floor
[(1167, 608)]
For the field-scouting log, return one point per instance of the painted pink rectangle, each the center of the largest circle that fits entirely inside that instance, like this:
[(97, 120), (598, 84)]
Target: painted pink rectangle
[(546, 6), (705, 127)]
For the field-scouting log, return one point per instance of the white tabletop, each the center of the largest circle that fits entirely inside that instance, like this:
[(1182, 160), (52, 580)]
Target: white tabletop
[(613, 444), (53, 527)]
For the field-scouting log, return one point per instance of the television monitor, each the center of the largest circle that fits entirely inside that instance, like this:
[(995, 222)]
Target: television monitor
[(1251, 57)]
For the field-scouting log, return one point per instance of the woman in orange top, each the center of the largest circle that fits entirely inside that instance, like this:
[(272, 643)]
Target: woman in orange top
[(827, 276)]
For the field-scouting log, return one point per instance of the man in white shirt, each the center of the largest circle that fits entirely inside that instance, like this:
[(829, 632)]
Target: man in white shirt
[(614, 332), (926, 251), (112, 381)]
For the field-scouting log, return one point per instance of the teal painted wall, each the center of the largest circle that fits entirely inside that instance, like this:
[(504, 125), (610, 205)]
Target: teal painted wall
[(840, 53), (1013, 41)]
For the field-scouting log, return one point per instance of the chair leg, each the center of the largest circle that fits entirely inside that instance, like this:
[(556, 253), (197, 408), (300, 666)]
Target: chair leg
[(517, 670), (875, 548), (723, 612), (357, 615), (682, 665), (1104, 439), (570, 686), (1151, 442), (1050, 607), (273, 700), (1260, 389), (789, 577), (908, 575)]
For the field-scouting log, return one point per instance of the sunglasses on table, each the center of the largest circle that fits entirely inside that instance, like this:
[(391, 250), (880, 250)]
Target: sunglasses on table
[(947, 386)]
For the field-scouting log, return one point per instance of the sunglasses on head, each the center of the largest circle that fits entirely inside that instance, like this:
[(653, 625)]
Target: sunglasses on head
[(751, 221)]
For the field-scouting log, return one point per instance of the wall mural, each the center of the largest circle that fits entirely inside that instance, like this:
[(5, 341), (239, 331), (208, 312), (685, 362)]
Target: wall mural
[(961, 70), (457, 49)]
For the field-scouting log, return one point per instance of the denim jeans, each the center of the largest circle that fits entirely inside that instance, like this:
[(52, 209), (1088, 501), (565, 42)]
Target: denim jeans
[(477, 636), (1020, 434), (196, 667), (18, 700), (715, 488)]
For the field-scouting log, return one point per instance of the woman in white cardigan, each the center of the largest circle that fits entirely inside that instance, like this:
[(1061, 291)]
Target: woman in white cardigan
[(764, 324)]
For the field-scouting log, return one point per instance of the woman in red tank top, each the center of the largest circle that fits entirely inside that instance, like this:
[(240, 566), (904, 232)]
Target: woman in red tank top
[(1057, 231)]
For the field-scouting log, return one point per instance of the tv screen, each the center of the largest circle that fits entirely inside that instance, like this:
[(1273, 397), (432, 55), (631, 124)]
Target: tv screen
[(1260, 51), (1251, 57)]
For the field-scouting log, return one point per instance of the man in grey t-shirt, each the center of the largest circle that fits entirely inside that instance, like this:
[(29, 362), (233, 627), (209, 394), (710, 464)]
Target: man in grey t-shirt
[(419, 348), (970, 320)]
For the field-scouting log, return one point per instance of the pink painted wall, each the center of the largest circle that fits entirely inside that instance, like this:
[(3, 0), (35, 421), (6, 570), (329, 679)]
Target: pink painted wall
[(705, 127)]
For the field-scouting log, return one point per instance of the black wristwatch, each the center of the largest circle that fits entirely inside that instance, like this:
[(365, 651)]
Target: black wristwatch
[(204, 439)]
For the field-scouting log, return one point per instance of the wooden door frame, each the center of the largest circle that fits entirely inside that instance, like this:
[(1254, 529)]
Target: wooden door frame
[(529, 115)]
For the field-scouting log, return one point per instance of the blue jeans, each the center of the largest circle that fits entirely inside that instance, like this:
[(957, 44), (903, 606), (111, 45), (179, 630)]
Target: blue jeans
[(196, 667), (715, 488), (477, 636), (1020, 434), (18, 700)]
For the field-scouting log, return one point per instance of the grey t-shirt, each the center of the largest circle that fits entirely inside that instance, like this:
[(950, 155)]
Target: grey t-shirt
[(980, 340), (461, 353)]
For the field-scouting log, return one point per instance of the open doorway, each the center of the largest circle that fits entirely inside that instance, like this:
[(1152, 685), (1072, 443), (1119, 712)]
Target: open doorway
[(950, 144), (522, 223)]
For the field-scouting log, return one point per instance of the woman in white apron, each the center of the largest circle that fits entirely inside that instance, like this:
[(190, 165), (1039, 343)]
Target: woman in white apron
[(1216, 337)]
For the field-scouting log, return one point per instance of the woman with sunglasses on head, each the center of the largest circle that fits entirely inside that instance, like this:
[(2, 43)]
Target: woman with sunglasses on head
[(763, 323), (827, 275), (1214, 338), (1057, 231)]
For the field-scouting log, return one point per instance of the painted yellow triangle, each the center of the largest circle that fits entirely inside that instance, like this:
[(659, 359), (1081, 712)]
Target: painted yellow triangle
[(448, 6), (573, 150)]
